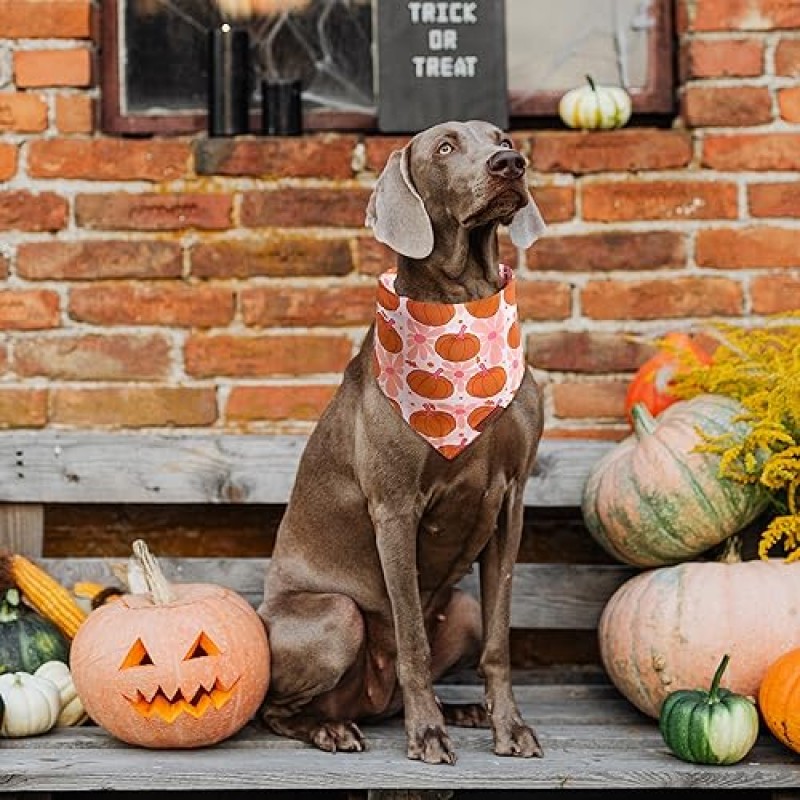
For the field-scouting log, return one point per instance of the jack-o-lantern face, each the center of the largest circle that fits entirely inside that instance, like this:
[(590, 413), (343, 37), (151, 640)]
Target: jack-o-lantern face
[(187, 673)]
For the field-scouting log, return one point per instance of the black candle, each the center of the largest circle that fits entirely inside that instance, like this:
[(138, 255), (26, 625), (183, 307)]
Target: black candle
[(228, 81), (281, 108)]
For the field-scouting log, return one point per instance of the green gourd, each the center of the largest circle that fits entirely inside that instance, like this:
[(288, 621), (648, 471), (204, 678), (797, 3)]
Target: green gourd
[(713, 727), (27, 640)]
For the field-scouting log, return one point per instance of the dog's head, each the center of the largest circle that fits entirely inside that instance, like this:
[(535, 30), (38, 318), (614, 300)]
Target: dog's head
[(463, 174)]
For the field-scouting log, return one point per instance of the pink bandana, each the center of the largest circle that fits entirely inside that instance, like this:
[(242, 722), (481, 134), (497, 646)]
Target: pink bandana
[(448, 368)]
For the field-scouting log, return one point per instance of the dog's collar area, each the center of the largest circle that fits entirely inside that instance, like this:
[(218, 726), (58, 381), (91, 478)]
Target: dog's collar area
[(448, 368)]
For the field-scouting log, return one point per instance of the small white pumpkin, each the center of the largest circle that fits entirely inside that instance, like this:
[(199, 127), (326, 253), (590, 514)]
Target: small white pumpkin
[(593, 107), (72, 711), (32, 704)]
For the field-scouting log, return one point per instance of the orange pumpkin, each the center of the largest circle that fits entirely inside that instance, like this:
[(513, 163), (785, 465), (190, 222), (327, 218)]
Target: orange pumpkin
[(432, 423), (389, 300), (387, 335), (665, 628), (429, 384), (651, 383), (779, 698), (514, 335), (477, 418), (461, 346), (510, 293), (184, 665), (487, 307), (487, 383), (431, 313)]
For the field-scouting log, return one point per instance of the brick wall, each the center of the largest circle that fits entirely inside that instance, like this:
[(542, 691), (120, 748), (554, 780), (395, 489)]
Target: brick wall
[(182, 282)]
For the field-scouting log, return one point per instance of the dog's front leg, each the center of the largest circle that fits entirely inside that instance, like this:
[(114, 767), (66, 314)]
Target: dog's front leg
[(512, 737), (396, 535)]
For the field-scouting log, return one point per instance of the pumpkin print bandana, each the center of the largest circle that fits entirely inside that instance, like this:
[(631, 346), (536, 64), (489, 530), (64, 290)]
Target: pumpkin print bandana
[(448, 367)]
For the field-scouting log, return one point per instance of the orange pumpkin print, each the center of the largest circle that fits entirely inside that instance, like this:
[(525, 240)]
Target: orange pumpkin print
[(431, 313), (478, 418), (510, 292), (487, 383), (451, 450), (461, 346), (484, 308), (429, 384), (387, 335), (389, 300), (514, 335), (430, 422)]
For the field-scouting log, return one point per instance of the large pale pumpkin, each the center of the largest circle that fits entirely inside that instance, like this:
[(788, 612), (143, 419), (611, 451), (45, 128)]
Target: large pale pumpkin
[(654, 500), (667, 628), (185, 665)]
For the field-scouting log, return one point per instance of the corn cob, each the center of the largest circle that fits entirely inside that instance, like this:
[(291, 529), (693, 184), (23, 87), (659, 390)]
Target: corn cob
[(47, 595), (91, 595)]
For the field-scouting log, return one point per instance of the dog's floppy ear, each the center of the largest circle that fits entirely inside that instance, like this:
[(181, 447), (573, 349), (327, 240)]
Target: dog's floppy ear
[(396, 213), (527, 225)]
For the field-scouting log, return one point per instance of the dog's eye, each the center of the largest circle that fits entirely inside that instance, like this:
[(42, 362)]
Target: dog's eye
[(507, 144), (445, 148)]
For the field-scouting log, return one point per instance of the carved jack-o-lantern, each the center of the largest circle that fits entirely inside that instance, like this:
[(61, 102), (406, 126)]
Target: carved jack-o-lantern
[(185, 665)]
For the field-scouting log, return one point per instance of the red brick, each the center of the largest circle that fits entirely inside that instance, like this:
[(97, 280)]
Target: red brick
[(603, 151), (271, 306), (304, 206), (40, 68), (789, 104), (726, 106), (29, 310), (278, 403), (742, 15), (556, 203), (4, 359), (108, 159), (775, 294), (21, 112), (275, 255), (8, 162), (609, 250), (312, 156), (260, 356), (757, 151), (748, 248), (101, 358), (787, 58), (607, 433), (26, 211), (43, 19), (75, 113), (172, 303), (373, 257), (98, 260), (3, 267), (723, 58), (611, 201), (22, 407), (153, 212), (662, 299), (586, 351), (134, 406), (589, 400), (774, 199), (543, 300), (378, 149)]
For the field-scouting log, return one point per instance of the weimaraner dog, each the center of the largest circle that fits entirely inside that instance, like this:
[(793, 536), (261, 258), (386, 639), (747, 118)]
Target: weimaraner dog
[(359, 600)]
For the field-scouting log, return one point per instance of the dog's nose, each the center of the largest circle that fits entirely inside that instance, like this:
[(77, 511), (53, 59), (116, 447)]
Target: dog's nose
[(507, 164)]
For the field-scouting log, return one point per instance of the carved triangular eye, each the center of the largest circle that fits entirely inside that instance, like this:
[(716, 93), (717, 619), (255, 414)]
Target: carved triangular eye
[(137, 656), (203, 646)]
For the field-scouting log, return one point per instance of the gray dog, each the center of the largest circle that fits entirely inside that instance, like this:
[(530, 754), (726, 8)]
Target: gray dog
[(386, 517)]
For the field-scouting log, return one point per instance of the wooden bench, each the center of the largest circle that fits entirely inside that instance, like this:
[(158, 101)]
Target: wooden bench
[(593, 738)]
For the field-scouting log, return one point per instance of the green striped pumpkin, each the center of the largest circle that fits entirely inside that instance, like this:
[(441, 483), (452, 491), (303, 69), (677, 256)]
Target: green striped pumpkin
[(653, 500)]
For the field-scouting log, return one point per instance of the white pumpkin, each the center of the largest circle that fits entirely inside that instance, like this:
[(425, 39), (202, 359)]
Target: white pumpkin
[(594, 107), (72, 711), (32, 704)]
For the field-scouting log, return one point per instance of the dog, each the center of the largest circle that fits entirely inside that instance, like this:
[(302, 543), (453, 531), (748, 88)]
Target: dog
[(359, 599)]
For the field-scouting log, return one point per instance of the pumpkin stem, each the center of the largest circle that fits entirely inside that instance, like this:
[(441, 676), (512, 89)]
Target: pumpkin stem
[(157, 584), (731, 551), (9, 609), (591, 83), (644, 423), (713, 692)]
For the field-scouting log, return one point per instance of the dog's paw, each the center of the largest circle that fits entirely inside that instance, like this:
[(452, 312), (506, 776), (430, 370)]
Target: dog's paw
[(518, 739), (335, 737), (466, 715), (431, 744)]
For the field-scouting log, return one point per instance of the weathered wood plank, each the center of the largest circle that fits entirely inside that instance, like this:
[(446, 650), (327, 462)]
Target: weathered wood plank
[(53, 467), (553, 596), (22, 528)]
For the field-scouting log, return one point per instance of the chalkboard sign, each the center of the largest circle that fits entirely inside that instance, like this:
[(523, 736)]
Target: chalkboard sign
[(439, 61)]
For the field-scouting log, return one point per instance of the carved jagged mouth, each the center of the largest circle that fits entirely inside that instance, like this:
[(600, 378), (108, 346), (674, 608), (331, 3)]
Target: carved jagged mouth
[(170, 708)]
